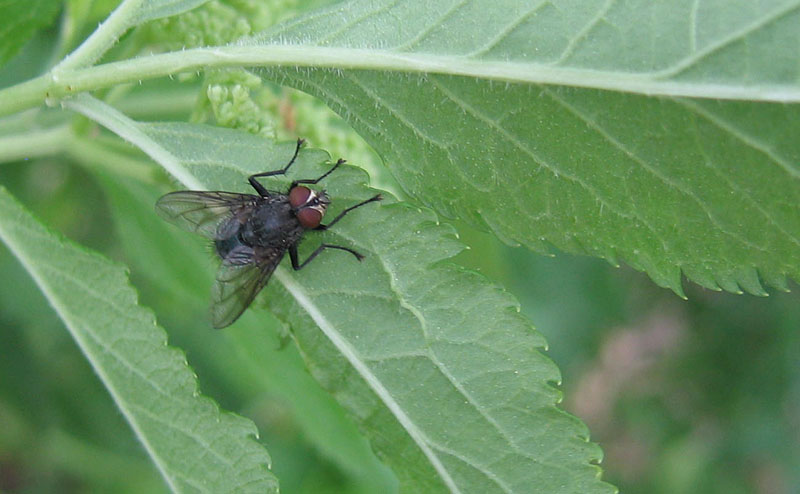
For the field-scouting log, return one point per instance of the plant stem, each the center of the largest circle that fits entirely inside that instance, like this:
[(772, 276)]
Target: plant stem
[(28, 94), (56, 85), (102, 38)]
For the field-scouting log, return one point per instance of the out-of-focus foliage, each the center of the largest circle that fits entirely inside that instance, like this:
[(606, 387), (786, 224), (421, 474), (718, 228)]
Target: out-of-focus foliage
[(21, 19)]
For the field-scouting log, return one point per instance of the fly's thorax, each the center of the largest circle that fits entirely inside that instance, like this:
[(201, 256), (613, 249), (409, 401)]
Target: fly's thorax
[(273, 224), (309, 205)]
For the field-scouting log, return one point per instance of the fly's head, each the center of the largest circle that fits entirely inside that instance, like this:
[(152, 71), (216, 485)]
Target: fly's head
[(309, 205)]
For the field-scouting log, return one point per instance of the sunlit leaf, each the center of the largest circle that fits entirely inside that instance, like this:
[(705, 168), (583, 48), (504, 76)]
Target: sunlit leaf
[(21, 19)]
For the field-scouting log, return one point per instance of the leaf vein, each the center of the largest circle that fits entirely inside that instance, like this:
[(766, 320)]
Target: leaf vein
[(758, 23), (654, 172), (437, 362), (549, 166), (581, 35), (190, 434), (507, 30), (480, 468), (738, 134), (742, 191), (360, 366), (693, 26), (351, 24), (411, 43)]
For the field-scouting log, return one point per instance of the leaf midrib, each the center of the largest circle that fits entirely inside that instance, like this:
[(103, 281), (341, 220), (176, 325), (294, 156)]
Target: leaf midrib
[(67, 82), (358, 363)]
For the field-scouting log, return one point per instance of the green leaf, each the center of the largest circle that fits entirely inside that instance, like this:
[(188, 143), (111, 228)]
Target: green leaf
[(434, 362), (248, 359), (193, 444), (21, 19), (571, 151)]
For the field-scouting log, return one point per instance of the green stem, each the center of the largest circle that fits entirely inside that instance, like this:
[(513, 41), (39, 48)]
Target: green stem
[(28, 94), (102, 38), (64, 83)]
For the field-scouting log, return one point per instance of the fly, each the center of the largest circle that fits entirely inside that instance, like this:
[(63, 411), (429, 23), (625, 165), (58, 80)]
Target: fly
[(252, 233)]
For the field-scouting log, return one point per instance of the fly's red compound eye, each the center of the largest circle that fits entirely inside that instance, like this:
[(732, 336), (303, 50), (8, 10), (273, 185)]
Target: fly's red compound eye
[(309, 217), (298, 196)]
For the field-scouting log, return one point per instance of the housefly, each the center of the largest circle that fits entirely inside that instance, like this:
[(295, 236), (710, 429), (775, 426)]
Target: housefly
[(252, 233)]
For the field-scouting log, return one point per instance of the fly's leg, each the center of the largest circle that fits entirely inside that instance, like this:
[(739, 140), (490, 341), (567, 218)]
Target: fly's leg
[(262, 191), (293, 249), (316, 180), (341, 215), (300, 265)]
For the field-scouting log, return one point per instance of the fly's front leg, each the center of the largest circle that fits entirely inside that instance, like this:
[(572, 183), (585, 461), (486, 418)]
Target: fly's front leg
[(316, 180), (297, 265), (262, 191), (300, 265), (377, 197)]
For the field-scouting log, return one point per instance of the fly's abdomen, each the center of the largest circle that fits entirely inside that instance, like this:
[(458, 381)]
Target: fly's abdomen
[(232, 251)]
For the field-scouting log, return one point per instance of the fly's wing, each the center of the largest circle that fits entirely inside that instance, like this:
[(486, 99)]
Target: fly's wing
[(203, 212), (237, 284)]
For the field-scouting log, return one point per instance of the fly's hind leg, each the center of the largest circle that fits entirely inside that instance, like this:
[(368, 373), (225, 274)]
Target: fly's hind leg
[(316, 180)]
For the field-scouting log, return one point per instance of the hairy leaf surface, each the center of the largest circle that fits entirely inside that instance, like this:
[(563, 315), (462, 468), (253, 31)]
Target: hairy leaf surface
[(596, 143)]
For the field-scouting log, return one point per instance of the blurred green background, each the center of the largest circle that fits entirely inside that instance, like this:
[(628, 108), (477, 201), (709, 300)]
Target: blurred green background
[(698, 396)]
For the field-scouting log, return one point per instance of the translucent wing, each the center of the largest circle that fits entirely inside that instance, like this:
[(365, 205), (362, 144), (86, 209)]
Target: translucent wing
[(204, 212), (238, 283)]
